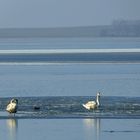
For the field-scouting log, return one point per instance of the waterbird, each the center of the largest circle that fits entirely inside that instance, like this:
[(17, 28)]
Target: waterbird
[(12, 106), (36, 107), (93, 104)]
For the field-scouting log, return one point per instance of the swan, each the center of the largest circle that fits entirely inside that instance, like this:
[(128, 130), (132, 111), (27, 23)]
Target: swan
[(93, 104), (12, 106)]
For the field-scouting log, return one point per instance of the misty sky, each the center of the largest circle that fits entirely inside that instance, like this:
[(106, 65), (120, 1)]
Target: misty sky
[(59, 13)]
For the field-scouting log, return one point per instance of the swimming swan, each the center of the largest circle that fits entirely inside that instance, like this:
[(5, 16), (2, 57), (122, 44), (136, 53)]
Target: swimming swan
[(12, 106), (93, 104)]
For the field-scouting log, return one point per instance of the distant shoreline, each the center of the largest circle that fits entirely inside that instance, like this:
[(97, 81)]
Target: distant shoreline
[(113, 30)]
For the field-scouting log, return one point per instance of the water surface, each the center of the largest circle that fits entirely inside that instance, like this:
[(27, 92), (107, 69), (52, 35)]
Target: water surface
[(83, 129), (59, 89)]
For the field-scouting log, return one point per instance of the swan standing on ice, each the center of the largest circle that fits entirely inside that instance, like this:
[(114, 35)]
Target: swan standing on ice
[(93, 104), (12, 106)]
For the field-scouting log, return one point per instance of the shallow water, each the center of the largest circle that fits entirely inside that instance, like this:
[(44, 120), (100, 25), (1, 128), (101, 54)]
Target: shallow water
[(71, 107), (62, 129)]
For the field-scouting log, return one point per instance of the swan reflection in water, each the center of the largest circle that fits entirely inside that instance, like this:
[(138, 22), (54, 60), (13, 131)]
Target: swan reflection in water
[(92, 128), (12, 126)]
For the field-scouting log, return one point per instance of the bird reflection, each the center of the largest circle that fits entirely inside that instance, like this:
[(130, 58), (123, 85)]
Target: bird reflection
[(92, 128), (12, 126)]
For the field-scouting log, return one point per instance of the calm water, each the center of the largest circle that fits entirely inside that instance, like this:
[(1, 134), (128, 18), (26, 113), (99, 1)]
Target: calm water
[(70, 80), (70, 129), (69, 43), (60, 89)]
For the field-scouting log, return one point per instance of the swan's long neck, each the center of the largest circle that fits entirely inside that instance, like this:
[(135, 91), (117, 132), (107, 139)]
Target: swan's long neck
[(98, 100)]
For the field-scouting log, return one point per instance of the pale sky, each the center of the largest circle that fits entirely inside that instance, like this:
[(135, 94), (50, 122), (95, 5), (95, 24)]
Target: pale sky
[(65, 13)]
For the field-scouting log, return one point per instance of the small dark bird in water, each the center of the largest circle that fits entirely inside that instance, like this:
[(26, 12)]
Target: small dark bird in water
[(36, 107), (12, 107)]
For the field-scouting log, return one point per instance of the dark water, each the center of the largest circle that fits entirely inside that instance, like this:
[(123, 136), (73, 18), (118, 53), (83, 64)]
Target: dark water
[(71, 107), (71, 58)]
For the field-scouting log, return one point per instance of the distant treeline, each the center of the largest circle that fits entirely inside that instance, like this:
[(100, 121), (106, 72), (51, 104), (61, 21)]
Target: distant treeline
[(118, 28)]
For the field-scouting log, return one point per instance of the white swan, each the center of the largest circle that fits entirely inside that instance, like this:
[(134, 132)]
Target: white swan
[(93, 104), (12, 106)]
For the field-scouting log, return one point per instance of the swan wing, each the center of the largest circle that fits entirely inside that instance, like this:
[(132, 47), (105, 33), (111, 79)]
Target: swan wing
[(85, 106), (90, 105), (11, 108)]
